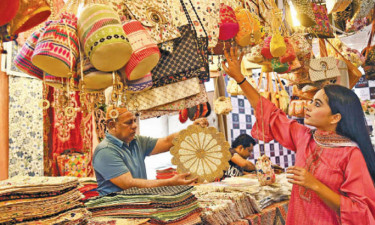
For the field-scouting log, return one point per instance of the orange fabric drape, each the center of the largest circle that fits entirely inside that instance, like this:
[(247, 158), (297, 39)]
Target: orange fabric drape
[(4, 125)]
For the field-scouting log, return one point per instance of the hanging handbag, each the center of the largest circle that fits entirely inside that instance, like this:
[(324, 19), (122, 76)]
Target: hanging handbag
[(362, 8), (223, 105), (290, 54), (155, 16), (103, 38), (29, 14), (323, 68), (249, 30), (354, 73), (23, 58), (145, 54), (209, 14), (57, 49), (340, 18), (228, 24), (279, 67), (92, 78), (266, 49), (139, 85), (188, 59), (322, 29), (255, 55), (163, 95)]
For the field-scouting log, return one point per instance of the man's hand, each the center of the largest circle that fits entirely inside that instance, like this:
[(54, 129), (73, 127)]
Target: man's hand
[(203, 122), (180, 179)]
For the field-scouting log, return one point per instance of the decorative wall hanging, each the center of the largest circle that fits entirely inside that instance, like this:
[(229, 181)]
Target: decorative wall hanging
[(203, 152)]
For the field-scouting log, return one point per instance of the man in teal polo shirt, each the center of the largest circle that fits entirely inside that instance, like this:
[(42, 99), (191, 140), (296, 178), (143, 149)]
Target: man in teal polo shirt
[(119, 159)]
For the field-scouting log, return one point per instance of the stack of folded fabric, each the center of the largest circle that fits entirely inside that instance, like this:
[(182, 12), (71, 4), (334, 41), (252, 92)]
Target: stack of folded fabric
[(41, 200), (89, 187), (225, 207), (166, 173), (163, 205)]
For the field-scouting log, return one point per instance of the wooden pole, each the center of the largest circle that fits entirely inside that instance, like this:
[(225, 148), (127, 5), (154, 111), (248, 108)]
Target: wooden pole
[(4, 125)]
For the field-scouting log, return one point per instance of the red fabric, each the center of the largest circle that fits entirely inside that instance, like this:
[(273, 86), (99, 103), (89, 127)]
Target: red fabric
[(266, 49), (62, 132), (342, 169), (228, 26), (290, 54)]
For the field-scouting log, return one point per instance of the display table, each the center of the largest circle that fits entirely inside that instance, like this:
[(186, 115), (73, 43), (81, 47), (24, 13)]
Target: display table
[(274, 214)]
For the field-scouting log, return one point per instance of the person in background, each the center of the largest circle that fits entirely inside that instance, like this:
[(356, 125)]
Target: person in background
[(241, 149), (334, 173), (119, 159)]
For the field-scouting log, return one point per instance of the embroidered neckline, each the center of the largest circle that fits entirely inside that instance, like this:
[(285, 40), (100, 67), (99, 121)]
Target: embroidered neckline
[(331, 139)]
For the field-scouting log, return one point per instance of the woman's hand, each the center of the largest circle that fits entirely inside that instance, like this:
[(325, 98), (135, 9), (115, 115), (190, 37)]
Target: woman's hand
[(234, 64), (302, 177)]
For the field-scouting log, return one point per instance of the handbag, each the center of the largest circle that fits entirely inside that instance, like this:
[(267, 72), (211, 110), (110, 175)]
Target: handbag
[(228, 25), (57, 49), (277, 45), (209, 14), (143, 84), (249, 30), (145, 54), (362, 8), (30, 13), (73, 163), (187, 102), (163, 95), (188, 59), (290, 54), (323, 68), (23, 58), (103, 38), (155, 16), (223, 105), (92, 78), (340, 18), (255, 55), (266, 48), (265, 173), (322, 29), (354, 73)]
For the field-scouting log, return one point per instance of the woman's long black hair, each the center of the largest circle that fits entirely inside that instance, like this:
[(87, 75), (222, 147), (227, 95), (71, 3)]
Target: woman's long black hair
[(352, 124)]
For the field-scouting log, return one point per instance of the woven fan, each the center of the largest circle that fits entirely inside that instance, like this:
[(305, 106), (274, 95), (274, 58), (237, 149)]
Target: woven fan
[(203, 152)]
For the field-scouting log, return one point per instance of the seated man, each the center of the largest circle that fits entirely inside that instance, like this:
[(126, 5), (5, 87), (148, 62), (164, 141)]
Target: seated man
[(242, 146), (119, 159)]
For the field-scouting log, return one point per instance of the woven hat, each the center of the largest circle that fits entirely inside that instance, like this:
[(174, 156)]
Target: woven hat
[(145, 54), (103, 38), (228, 26)]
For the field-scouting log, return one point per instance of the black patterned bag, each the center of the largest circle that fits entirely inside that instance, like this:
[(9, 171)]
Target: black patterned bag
[(188, 59)]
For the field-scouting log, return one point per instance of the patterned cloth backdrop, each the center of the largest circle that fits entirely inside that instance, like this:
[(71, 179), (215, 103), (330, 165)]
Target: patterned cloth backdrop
[(241, 120), (26, 127)]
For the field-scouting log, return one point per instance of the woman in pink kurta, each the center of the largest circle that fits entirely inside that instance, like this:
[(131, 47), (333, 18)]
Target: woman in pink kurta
[(333, 181)]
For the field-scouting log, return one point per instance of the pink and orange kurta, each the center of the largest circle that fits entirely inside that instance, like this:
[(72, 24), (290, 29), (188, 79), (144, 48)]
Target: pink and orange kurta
[(332, 159)]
